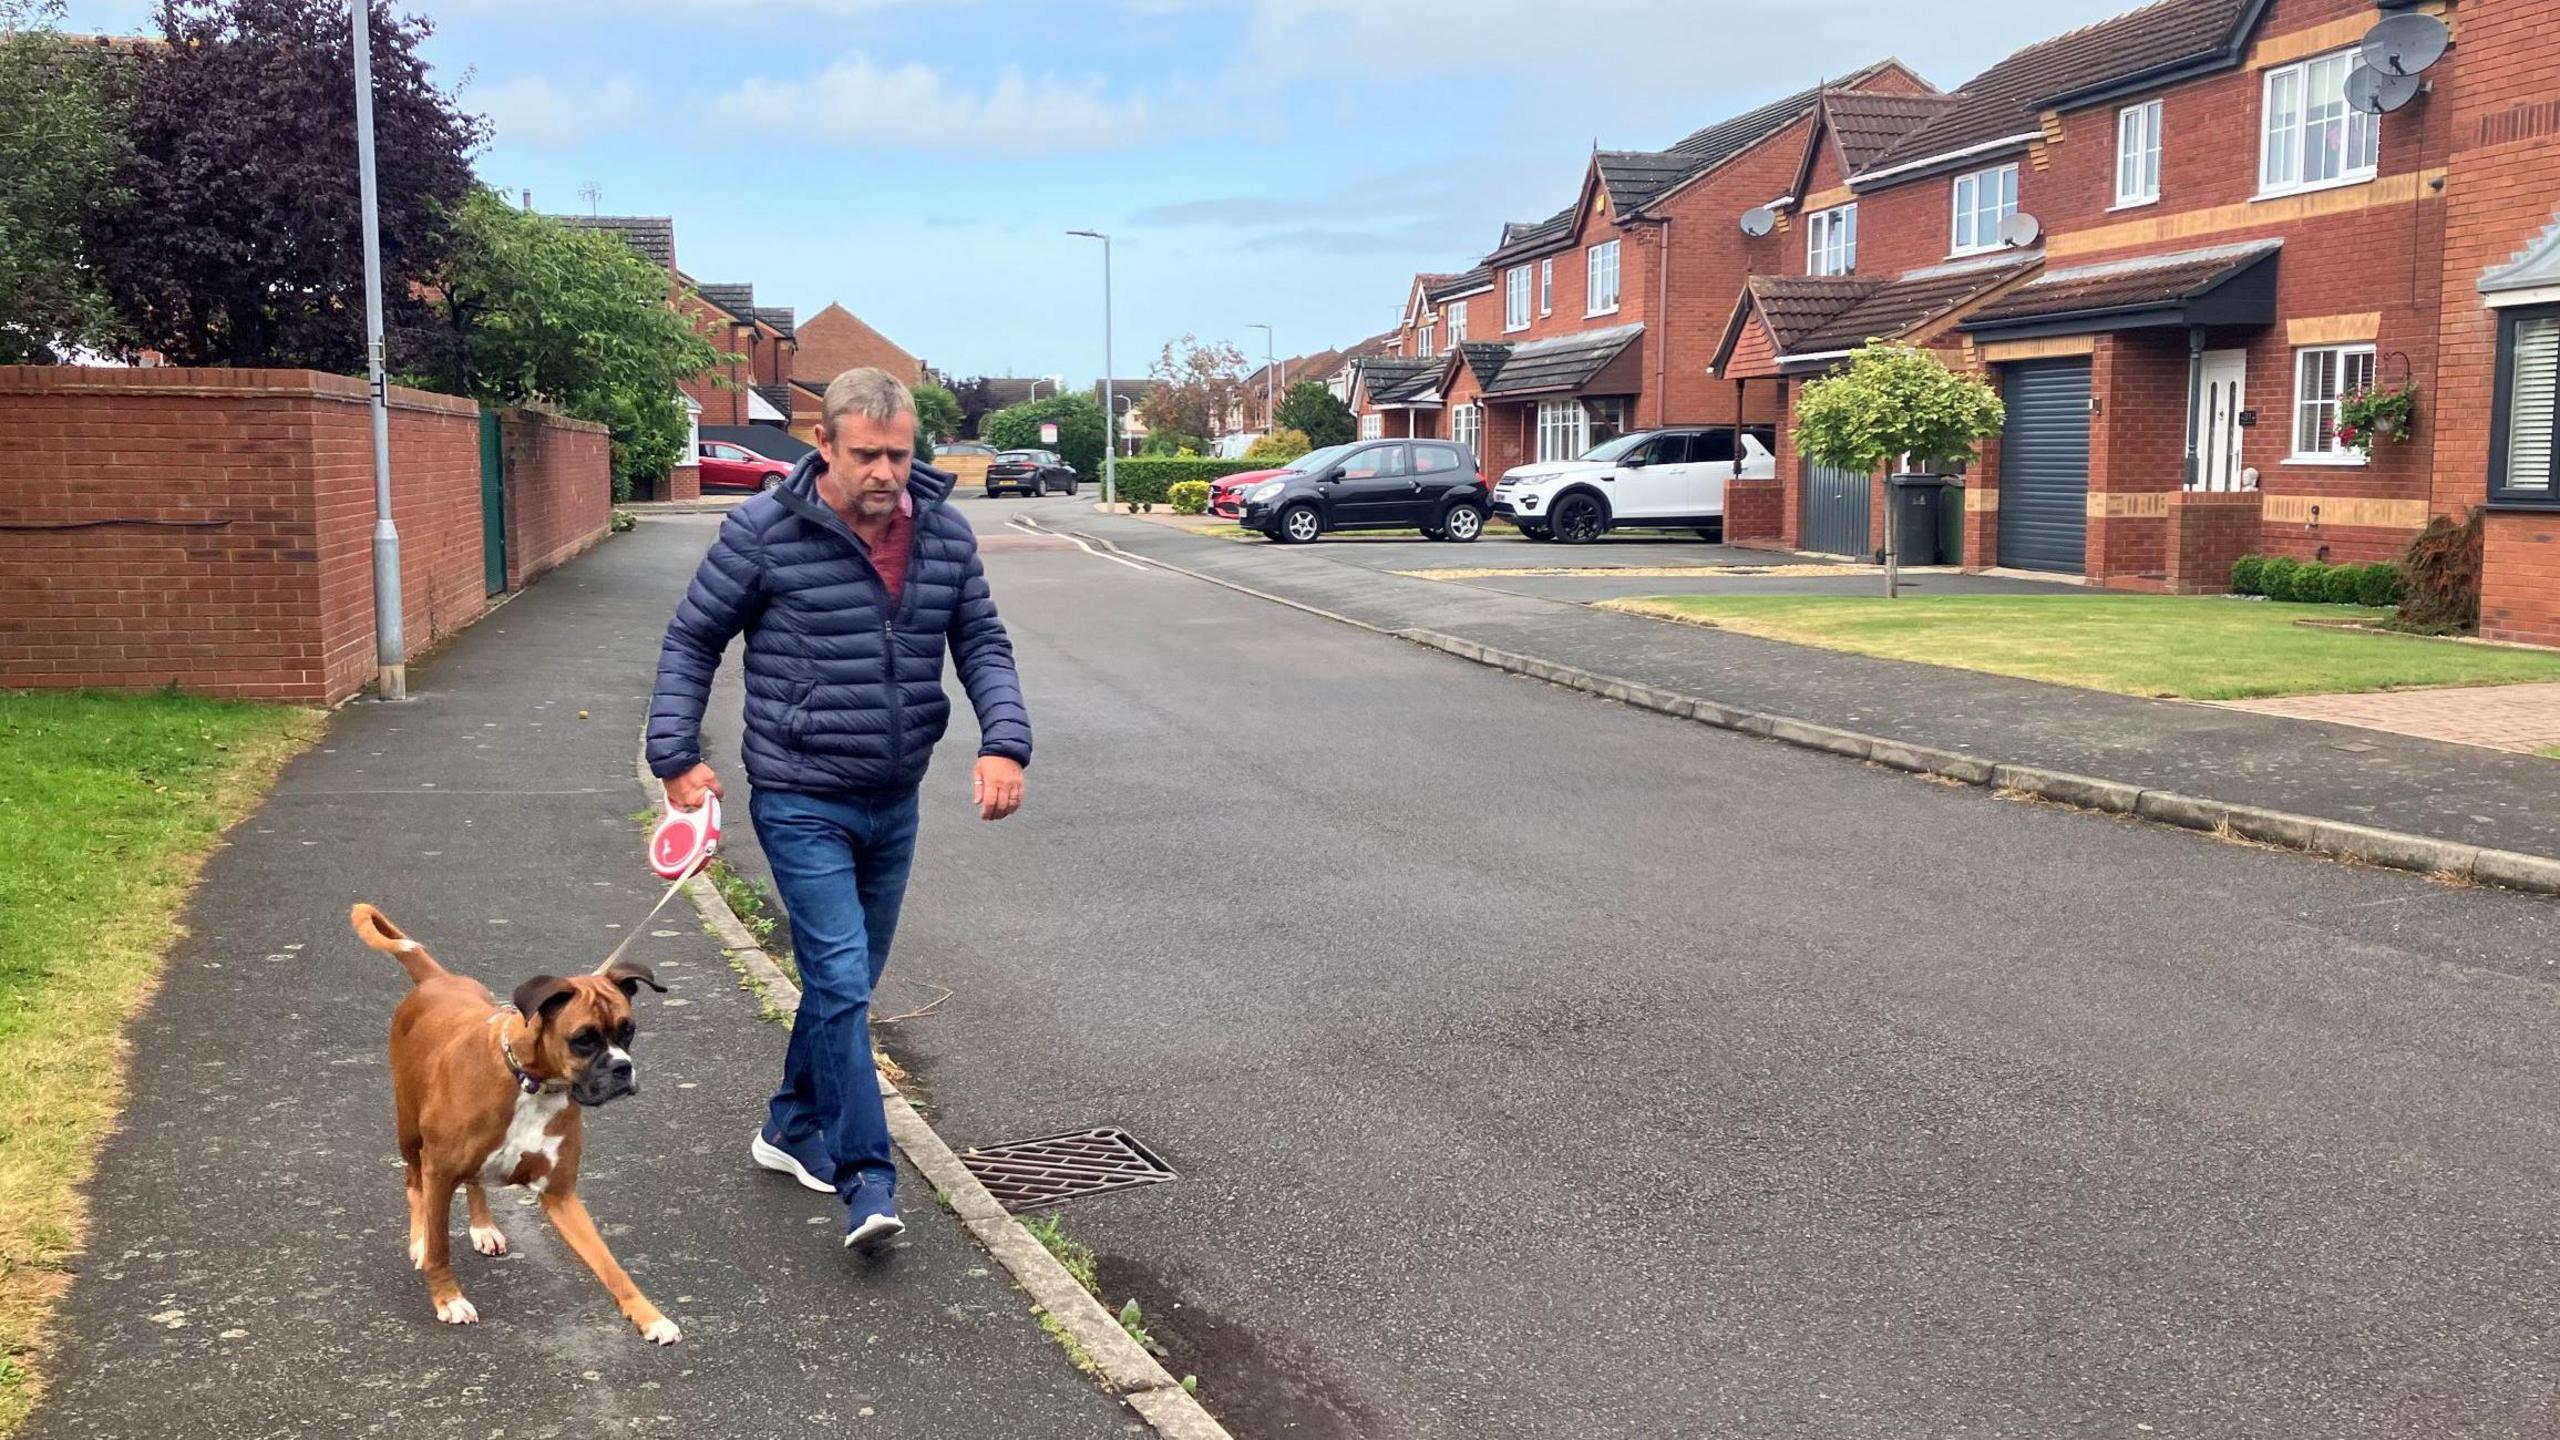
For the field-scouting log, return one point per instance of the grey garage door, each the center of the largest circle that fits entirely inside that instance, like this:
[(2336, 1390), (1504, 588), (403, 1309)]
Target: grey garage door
[(2044, 466), (1835, 511)]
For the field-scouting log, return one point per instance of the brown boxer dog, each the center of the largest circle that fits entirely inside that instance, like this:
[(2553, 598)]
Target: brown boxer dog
[(490, 1094)]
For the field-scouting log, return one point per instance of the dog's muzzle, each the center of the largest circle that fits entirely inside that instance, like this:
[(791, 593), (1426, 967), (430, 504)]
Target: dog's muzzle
[(609, 1078)]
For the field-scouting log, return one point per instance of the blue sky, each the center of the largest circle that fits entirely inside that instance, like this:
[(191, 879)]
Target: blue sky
[(1286, 161)]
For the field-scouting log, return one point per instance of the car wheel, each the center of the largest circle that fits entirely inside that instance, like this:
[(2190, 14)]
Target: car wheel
[(1298, 524), (1579, 520), (1071, 489), (1462, 524), (991, 492), (772, 482)]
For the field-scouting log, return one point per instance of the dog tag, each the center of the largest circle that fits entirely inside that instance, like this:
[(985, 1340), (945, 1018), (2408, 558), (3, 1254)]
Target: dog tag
[(685, 839)]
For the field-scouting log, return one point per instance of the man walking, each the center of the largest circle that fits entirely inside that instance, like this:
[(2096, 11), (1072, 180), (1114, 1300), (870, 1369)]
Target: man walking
[(850, 579)]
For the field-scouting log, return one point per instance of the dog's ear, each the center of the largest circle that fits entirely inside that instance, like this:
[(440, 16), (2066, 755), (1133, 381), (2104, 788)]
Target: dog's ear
[(536, 998), (631, 975)]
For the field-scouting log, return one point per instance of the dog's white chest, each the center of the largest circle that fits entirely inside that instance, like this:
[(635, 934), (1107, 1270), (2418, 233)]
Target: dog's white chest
[(529, 1135)]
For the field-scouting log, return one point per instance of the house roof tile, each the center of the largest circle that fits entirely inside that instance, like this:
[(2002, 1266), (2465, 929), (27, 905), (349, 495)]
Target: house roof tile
[(777, 316), (1564, 363), (1866, 124), (1452, 286), (2142, 281), (651, 237), (738, 300)]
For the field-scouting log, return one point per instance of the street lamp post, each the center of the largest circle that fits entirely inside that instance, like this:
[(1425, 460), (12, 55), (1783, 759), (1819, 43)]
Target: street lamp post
[(1270, 402), (390, 647), (1110, 412)]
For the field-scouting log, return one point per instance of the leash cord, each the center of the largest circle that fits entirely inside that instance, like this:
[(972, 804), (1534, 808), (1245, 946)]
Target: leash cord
[(696, 869)]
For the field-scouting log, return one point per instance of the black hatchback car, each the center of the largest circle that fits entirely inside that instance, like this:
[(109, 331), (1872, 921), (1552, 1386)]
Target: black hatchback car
[(1429, 485), (1033, 472)]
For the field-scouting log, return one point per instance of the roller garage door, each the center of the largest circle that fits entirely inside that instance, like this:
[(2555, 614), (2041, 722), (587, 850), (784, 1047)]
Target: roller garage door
[(2044, 466)]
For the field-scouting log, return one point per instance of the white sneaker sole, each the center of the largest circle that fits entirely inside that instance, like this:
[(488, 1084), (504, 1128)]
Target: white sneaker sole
[(777, 1159), (874, 1232)]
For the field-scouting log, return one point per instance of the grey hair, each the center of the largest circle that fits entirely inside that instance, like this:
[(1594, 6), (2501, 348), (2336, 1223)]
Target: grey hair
[(869, 392)]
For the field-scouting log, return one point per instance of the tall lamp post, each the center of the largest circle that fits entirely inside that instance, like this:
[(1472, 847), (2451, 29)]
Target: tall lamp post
[(1110, 411), (1270, 403), (390, 647)]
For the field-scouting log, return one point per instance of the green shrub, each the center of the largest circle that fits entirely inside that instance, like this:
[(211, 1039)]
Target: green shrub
[(1079, 422), (2310, 584), (2382, 586), (2249, 575), (1190, 497), (2338, 587), (1148, 481), (2277, 576), (1279, 447)]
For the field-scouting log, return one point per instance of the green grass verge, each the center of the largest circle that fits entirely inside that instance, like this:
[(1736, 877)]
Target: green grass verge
[(2190, 647), (132, 790)]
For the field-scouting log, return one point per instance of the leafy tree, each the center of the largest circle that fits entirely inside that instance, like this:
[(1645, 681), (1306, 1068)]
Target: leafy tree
[(64, 109), (541, 312), (1279, 446), (1195, 385), (1017, 427), (938, 411), (242, 244), (1173, 442), (1894, 403), (1311, 407)]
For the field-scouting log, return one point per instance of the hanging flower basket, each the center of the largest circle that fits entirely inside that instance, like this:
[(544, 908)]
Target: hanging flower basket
[(2384, 413)]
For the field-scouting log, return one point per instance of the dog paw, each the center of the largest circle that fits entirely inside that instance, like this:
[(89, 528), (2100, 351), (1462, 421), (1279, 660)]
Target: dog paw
[(661, 1331), (489, 1241), (457, 1311)]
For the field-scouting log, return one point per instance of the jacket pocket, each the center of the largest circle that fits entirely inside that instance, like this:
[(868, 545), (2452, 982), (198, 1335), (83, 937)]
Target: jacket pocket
[(795, 723)]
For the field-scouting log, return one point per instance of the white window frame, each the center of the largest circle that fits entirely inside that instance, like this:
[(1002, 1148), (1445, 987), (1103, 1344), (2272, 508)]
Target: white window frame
[(1831, 241), (1373, 426), (1454, 319), (1425, 338), (2345, 360), (1564, 430), (2285, 152), (1466, 426), (2003, 180), (1515, 298), (1600, 258), (1547, 286), (2138, 155)]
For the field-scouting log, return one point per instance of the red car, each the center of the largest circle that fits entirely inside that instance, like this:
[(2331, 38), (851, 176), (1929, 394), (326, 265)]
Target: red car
[(1226, 493), (727, 465)]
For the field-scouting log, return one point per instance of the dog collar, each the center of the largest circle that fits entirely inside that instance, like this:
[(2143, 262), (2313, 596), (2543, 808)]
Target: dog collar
[(525, 1080)]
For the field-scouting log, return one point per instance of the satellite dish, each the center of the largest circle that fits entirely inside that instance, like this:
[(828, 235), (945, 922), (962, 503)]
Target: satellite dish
[(2406, 44), (2376, 92), (2020, 231), (1759, 220)]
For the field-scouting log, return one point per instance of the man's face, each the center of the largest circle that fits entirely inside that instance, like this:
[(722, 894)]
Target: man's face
[(867, 463)]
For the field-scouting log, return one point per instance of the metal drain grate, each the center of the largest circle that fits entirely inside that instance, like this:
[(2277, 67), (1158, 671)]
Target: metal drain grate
[(1032, 1174)]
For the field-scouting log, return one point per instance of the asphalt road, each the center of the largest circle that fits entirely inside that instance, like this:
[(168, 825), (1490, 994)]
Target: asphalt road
[(1535, 1066)]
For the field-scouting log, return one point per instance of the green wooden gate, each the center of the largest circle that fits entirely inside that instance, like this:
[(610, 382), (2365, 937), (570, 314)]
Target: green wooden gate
[(493, 500)]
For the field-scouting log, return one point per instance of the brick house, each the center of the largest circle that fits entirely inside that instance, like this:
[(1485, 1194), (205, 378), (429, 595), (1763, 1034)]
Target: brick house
[(2173, 246), (1603, 317), (836, 340)]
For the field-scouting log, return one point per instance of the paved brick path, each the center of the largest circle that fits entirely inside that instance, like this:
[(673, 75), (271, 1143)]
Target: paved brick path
[(2522, 718)]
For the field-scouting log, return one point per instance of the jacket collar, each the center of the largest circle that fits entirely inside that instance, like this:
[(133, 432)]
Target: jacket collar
[(926, 487)]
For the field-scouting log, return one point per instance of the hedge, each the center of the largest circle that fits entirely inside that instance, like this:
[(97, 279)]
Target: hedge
[(1149, 480), (1190, 497), (2310, 582)]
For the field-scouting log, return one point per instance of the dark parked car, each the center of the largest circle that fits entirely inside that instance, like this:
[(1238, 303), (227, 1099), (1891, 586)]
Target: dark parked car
[(1431, 485), (1033, 472)]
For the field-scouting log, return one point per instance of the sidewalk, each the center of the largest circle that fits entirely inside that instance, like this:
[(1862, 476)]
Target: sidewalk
[(246, 1273), (2364, 777)]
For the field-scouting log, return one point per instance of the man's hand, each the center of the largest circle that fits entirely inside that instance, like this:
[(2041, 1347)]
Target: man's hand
[(998, 787), (685, 791)]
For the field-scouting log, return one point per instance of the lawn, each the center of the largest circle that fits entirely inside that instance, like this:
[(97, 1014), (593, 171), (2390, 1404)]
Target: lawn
[(111, 802), (2192, 647)]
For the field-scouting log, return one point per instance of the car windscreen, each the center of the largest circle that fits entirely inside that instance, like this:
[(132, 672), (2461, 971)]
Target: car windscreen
[(1619, 447), (1315, 460)]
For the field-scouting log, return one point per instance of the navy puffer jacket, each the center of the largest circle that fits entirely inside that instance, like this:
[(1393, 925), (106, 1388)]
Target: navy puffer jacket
[(843, 693)]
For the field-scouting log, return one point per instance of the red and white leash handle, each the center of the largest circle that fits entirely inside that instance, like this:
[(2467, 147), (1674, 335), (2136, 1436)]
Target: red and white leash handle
[(682, 844)]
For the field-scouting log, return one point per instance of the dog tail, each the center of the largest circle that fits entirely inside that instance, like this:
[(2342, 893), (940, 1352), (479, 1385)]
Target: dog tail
[(381, 934)]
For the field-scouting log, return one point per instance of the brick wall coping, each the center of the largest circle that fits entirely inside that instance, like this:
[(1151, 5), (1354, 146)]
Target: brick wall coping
[(216, 380), (552, 418)]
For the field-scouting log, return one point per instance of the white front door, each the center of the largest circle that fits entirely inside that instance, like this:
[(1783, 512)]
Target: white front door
[(2217, 420)]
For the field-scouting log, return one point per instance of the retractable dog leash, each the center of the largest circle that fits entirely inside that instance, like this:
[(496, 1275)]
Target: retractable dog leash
[(682, 844)]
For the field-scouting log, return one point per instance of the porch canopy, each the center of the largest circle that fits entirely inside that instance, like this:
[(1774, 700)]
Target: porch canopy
[(2186, 290), (1593, 362), (1787, 325), (2531, 278), (1401, 384)]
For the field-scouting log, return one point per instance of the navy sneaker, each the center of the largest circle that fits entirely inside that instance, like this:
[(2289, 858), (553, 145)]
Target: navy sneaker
[(871, 1219), (805, 1162)]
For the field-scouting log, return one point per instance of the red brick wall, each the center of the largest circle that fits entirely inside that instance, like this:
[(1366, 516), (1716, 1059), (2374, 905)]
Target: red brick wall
[(559, 491), (2207, 531), (1752, 510), (213, 529), (2502, 186)]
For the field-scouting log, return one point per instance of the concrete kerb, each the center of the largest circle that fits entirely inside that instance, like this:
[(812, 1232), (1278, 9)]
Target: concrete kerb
[(2391, 849), (1119, 1362)]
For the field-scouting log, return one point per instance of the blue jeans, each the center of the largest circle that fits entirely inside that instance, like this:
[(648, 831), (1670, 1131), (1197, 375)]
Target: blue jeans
[(841, 863)]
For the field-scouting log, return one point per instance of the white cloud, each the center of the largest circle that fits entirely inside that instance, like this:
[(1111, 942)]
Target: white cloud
[(916, 106), (531, 110)]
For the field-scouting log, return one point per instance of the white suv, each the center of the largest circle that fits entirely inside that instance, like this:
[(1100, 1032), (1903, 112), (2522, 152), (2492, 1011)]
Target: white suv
[(1656, 479)]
